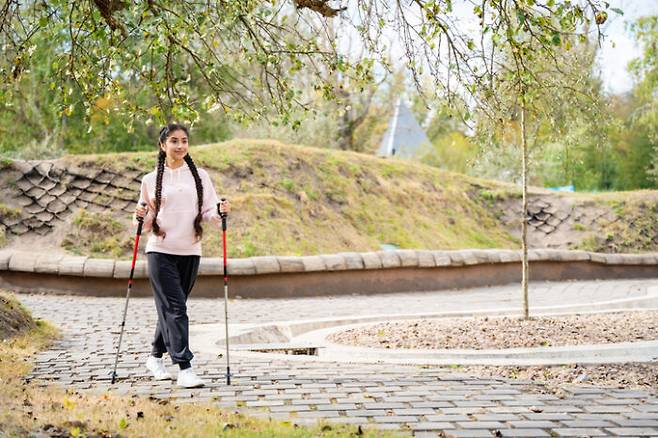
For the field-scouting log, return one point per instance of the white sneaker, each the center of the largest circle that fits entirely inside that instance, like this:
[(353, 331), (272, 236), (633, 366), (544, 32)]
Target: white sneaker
[(156, 366), (188, 379)]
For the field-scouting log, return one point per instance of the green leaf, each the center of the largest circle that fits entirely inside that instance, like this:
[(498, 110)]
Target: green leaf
[(556, 40)]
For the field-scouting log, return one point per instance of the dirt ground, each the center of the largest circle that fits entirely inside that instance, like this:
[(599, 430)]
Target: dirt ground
[(14, 320), (642, 376), (506, 332)]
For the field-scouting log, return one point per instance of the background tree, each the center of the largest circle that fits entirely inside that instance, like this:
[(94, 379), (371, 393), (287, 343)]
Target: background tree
[(513, 65), (248, 52), (570, 130), (150, 59), (644, 115)]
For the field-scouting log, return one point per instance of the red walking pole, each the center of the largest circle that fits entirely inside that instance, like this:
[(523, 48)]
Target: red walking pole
[(140, 222), (224, 217)]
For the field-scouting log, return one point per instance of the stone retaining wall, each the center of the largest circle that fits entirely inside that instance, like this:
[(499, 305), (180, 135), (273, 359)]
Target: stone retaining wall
[(342, 273), (47, 192)]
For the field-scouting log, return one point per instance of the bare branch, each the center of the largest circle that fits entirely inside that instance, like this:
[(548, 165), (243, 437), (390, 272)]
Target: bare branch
[(320, 6)]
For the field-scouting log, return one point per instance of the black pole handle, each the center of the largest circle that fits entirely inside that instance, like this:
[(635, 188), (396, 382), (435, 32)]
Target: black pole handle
[(222, 214), (140, 220)]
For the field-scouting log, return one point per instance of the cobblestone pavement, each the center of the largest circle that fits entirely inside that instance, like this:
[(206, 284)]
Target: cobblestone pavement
[(422, 401)]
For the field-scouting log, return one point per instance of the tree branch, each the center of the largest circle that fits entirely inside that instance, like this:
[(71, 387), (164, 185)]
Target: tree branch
[(319, 6)]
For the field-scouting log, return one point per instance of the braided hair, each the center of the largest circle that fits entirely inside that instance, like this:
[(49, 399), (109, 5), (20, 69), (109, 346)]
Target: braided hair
[(199, 193), (158, 192), (164, 135)]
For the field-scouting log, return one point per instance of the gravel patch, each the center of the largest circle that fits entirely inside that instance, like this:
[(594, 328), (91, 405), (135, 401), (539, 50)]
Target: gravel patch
[(559, 377), (505, 332)]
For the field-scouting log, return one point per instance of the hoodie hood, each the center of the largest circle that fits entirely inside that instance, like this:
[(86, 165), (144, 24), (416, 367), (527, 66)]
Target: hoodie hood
[(178, 169), (173, 176)]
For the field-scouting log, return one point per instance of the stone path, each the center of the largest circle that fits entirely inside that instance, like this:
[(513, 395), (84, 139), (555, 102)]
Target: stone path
[(422, 401)]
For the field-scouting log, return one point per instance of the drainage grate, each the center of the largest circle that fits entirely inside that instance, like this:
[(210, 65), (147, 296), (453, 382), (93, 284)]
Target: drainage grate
[(280, 348), (308, 351)]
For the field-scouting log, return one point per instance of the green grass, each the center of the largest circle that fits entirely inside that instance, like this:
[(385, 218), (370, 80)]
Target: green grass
[(288, 185), (9, 212), (490, 197), (5, 163), (97, 235), (579, 227), (296, 200)]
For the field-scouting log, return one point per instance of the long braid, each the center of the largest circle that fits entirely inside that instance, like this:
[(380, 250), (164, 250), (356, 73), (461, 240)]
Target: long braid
[(158, 193), (199, 192)]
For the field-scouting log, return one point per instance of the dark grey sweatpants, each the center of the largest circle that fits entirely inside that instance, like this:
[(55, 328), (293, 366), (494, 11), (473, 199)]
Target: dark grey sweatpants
[(172, 278)]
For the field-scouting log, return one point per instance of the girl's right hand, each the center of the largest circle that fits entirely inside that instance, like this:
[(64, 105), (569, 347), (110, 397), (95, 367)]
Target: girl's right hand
[(141, 210)]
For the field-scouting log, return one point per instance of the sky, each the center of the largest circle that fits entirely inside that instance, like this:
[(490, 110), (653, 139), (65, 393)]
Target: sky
[(619, 46), (617, 49)]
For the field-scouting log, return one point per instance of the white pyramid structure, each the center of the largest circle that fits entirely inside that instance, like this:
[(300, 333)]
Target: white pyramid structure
[(404, 137)]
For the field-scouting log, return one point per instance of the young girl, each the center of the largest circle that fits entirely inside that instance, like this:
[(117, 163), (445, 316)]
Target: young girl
[(175, 199)]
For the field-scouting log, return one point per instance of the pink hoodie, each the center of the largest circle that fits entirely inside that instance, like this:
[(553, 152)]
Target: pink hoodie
[(178, 209)]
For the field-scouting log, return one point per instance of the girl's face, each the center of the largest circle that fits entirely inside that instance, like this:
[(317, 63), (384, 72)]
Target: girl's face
[(176, 146)]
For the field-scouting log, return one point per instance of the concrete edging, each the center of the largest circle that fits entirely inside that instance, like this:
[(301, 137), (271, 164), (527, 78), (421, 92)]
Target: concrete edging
[(348, 272), (248, 339)]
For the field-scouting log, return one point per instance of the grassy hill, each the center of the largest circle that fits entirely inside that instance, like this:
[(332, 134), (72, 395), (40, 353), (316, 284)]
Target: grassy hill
[(296, 200)]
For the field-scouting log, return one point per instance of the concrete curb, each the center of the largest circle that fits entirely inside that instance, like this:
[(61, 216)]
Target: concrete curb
[(31, 262), (325, 274), (248, 339)]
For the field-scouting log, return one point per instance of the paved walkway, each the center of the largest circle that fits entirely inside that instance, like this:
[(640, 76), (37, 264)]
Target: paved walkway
[(420, 400)]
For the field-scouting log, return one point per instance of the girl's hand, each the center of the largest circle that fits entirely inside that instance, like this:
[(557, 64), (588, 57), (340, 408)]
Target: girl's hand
[(141, 210), (224, 206)]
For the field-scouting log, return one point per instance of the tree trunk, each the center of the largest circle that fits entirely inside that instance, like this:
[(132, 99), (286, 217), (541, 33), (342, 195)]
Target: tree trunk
[(352, 119), (524, 223)]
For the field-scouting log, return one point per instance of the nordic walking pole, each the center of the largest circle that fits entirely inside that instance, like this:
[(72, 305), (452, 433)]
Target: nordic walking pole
[(140, 222), (224, 217)]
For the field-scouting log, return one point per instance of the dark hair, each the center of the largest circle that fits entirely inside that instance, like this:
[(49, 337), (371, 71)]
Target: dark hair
[(164, 135)]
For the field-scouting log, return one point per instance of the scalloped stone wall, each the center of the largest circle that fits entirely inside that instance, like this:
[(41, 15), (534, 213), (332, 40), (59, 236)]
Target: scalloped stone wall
[(47, 192), (327, 274)]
